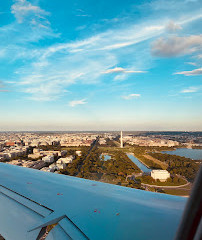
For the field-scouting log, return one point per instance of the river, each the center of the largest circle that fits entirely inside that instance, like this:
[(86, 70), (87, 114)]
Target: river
[(138, 163), (195, 154)]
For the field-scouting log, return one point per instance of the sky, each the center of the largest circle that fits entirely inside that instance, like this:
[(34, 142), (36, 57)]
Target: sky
[(101, 65)]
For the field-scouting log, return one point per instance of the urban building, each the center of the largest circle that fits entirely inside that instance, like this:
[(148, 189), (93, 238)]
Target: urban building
[(162, 175), (48, 159)]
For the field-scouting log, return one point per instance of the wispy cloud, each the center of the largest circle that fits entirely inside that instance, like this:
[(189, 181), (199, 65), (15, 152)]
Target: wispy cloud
[(199, 56), (120, 77), (81, 13), (57, 66), (77, 102), (110, 40), (121, 70), (29, 26), (192, 63), (190, 90), (171, 5), (173, 27), (22, 9), (194, 72), (131, 96), (2, 87)]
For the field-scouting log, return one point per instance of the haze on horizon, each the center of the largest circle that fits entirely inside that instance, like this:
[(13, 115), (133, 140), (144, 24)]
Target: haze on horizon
[(107, 65)]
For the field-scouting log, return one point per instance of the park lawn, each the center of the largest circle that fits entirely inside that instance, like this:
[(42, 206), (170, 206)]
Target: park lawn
[(178, 191), (164, 183), (162, 164)]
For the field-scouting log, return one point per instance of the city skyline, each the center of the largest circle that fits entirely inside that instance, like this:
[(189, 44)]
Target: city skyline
[(85, 65)]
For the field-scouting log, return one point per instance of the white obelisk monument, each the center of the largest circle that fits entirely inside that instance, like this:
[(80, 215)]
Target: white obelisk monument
[(121, 139)]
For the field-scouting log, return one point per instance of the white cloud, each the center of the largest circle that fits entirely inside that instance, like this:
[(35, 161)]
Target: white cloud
[(120, 77), (154, 28), (190, 90), (131, 96), (82, 13), (173, 27), (23, 8), (77, 102), (194, 72), (176, 46), (117, 45), (121, 70), (45, 91), (192, 63), (30, 25), (112, 39)]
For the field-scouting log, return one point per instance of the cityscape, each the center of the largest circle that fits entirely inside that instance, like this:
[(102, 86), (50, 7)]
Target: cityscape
[(142, 160)]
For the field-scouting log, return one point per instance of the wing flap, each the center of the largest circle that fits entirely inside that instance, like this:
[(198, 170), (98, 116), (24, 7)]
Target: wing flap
[(16, 219), (36, 207)]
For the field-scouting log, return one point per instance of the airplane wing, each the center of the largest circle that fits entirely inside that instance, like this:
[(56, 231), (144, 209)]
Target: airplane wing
[(31, 200)]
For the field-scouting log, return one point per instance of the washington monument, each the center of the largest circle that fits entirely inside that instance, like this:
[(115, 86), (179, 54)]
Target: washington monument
[(121, 139)]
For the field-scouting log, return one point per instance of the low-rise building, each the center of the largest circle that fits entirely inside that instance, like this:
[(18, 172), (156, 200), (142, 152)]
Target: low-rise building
[(48, 159), (34, 155), (65, 160), (78, 153), (46, 169), (162, 175), (53, 167), (62, 162), (48, 153), (60, 166)]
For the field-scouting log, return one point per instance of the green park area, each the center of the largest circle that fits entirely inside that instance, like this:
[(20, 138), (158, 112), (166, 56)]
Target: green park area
[(120, 170), (172, 181)]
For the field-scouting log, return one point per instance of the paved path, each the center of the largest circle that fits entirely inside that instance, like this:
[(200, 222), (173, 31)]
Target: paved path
[(89, 151), (157, 186)]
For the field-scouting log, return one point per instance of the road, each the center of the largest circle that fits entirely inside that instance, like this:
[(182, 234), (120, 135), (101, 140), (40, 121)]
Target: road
[(89, 151), (156, 186)]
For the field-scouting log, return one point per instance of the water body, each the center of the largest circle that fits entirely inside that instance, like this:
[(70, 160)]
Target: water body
[(106, 157), (138, 163), (195, 154)]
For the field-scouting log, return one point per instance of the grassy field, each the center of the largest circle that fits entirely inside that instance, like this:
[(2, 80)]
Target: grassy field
[(147, 162), (162, 164), (178, 192), (164, 183)]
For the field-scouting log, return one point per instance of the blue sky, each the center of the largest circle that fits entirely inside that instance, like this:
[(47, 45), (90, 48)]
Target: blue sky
[(100, 65)]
